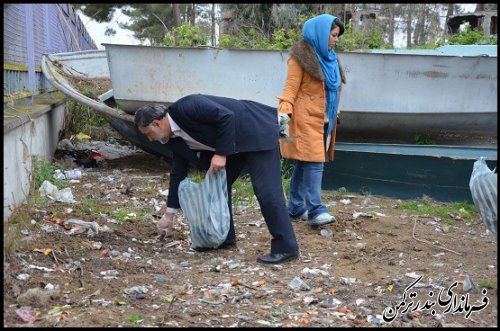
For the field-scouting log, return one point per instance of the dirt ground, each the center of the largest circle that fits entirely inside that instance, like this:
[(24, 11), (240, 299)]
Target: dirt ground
[(376, 266)]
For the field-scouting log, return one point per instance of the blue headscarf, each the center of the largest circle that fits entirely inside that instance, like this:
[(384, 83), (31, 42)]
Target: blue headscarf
[(316, 32)]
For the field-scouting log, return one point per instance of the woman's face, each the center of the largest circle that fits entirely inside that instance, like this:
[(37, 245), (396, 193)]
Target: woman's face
[(334, 37)]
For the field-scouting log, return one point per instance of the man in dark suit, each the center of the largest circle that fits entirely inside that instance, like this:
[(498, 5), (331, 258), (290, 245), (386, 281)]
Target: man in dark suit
[(214, 132)]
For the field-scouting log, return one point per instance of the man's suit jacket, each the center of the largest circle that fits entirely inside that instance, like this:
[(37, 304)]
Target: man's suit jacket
[(228, 125)]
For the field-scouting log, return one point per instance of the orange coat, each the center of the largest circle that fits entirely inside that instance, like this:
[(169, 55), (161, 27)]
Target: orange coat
[(304, 98)]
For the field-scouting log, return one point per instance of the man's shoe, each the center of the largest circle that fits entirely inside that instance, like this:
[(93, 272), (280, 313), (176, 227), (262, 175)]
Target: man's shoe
[(302, 217), (278, 258), (321, 219), (228, 245)]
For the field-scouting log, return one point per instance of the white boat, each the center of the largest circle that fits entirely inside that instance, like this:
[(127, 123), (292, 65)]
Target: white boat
[(388, 98)]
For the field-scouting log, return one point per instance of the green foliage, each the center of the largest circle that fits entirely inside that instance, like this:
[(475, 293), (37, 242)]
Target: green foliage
[(243, 194), (284, 39), (196, 176), (124, 214), (447, 212), (472, 37), (185, 36), (135, 319), (80, 118), (101, 12), (250, 40), (356, 40), (421, 140), (286, 174), (44, 170), (150, 21), (434, 45), (488, 283)]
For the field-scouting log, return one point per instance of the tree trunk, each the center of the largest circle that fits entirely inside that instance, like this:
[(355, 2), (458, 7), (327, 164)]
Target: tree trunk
[(228, 18), (449, 14), (191, 14), (177, 14), (212, 27), (391, 24), (355, 17), (409, 8), (419, 26), (433, 29)]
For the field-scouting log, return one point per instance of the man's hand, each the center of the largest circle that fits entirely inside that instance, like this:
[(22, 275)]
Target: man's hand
[(166, 224), (217, 163)]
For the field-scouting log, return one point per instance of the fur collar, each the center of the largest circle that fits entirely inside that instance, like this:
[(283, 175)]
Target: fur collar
[(304, 54)]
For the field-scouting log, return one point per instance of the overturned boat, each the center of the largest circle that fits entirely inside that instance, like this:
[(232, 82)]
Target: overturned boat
[(391, 99)]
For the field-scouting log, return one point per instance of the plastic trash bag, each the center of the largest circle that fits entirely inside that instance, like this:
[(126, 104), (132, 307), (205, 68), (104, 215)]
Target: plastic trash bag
[(205, 206), (283, 120), (483, 187)]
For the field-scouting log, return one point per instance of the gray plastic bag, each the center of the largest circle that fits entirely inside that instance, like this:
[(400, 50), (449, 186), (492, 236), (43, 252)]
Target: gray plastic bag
[(205, 206), (483, 187)]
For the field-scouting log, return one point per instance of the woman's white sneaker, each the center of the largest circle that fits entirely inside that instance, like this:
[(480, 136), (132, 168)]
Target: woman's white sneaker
[(321, 219), (302, 217)]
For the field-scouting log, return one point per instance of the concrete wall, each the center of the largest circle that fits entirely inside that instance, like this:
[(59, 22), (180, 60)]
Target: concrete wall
[(32, 125), (29, 132)]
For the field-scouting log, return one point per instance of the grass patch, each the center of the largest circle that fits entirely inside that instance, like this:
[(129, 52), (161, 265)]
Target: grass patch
[(448, 212), (421, 140), (135, 319), (125, 214), (83, 119), (12, 234), (44, 170), (243, 194), (337, 194), (488, 283)]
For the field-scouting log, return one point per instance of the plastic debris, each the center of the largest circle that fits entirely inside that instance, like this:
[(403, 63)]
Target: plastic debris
[(73, 174), (51, 191), (298, 284)]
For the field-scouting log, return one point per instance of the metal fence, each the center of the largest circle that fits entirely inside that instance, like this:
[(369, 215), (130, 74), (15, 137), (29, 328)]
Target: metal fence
[(31, 30)]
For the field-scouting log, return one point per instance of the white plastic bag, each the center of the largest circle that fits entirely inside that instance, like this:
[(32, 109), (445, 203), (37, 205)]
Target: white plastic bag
[(483, 187), (205, 206)]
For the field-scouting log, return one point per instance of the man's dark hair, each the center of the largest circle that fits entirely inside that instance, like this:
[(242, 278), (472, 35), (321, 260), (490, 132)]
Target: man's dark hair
[(145, 115), (340, 24)]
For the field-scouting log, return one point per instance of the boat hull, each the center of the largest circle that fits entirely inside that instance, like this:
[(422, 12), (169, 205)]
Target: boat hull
[(393, 95), (406, 171)]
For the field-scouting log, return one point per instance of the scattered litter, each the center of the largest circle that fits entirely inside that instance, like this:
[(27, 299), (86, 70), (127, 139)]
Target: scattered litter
[(298, 284), (23, 276), (26, 315), (73, 174), (347, 280), (41, 268), (326, 232), (468, 284), (88, 225), (412, 275), (51, 191), (136, 289), (110, 273), (314, 271), (58, 174)]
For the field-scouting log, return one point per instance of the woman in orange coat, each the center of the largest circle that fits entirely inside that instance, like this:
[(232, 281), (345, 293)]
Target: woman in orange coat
[(310, 97)]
